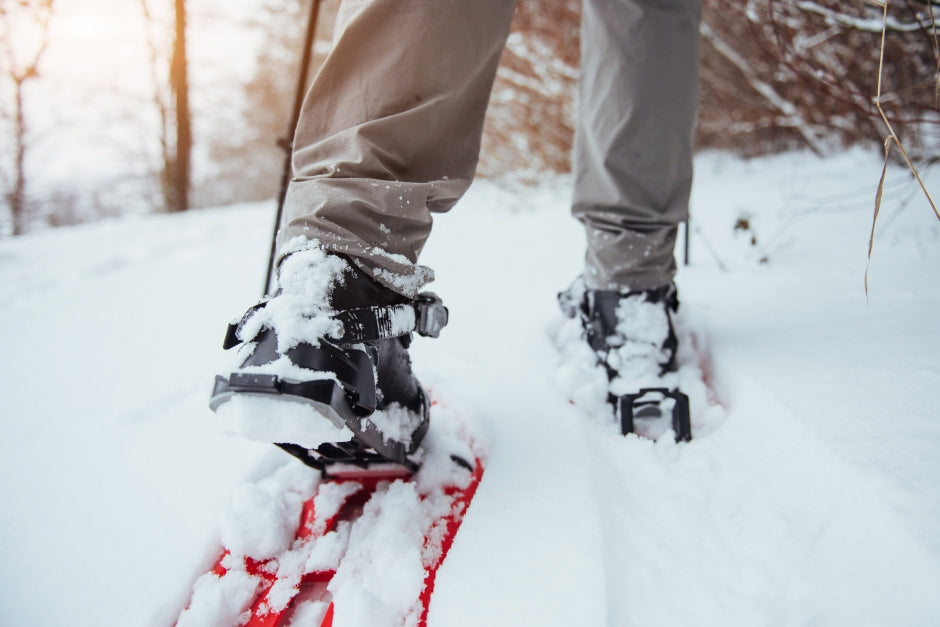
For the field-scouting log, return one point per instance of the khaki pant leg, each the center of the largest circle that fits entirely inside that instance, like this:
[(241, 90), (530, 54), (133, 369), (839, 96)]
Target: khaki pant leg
[(390, 129), (638, 98)]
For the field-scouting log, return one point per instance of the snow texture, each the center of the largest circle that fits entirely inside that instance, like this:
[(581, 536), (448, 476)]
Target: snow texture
[(220, 601), (397, 321), (396, 423), (308, 613), (271, 419), (380, 558), (808, 496), (300, 311), (259, 522), (382, 573)]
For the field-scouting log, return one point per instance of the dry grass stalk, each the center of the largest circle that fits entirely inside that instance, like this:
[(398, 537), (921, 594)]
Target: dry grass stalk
[(891, 139), (936, 54)]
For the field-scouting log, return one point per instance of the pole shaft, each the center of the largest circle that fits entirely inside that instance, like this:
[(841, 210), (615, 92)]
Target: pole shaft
[(288, 142)]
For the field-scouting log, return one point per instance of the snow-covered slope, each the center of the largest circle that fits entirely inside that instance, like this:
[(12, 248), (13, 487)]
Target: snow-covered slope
[(810, 499)]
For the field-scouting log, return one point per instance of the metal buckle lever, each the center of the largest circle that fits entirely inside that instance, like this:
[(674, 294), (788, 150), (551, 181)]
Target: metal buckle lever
[(432, 315)]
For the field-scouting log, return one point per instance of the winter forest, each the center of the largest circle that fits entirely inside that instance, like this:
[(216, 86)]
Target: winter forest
[(139, 106)]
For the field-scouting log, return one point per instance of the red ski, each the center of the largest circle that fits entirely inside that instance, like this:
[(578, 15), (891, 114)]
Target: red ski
[(363, 528)]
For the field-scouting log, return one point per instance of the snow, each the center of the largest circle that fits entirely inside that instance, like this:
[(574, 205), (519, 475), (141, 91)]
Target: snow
[(259, 522), (220, 601), (396, 423), (380, 558), (272, 419), (299, 311), (808, 495), (384, 576)]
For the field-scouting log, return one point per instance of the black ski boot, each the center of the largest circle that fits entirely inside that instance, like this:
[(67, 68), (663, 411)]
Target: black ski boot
[(631, 333), (335, 339), (633, 338)]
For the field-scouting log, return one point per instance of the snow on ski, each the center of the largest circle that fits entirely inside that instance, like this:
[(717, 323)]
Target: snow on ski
[(353, 546)]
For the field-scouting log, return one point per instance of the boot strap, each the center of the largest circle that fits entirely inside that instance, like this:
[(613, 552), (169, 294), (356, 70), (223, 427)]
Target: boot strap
[(426, 315)]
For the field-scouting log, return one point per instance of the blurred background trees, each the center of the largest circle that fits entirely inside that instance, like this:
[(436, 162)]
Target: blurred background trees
[(24, 36), (785, 74), (776, 75)]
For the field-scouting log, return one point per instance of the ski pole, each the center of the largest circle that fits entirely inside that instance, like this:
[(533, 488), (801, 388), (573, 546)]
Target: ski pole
[(287, 142), (685, 245)]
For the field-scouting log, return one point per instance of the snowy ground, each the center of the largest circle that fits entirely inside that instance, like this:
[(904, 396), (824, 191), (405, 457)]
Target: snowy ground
[(812, 500)]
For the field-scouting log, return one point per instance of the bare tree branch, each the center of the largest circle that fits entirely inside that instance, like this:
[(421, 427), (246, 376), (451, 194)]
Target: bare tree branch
[(790, 112)]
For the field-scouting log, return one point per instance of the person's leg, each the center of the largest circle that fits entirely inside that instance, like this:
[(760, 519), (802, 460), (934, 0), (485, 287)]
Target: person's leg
[(389, 133), (390, 130), (638, 98)]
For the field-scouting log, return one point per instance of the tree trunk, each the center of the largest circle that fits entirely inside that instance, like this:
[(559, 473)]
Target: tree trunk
[(17, 195), (180, 82), (19, 73)]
